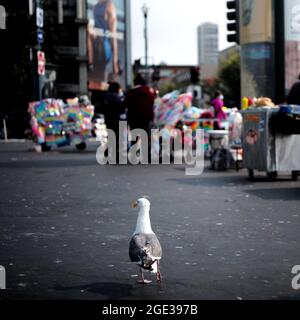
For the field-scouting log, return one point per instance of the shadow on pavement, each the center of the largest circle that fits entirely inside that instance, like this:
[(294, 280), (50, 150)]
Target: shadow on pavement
[(112, 291), (50, 163), (294, 296), (74, 151), (286, 194), (211, 181), (218, 178)]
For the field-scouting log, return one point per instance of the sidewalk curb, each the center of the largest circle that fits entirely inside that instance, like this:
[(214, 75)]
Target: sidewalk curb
[(24, 140), (14, 141)]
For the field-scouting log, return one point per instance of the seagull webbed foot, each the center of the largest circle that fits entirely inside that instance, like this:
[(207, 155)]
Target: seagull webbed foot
[(143, 281)]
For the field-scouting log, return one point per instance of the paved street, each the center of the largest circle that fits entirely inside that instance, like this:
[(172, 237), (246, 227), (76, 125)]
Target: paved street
[(66, 223)]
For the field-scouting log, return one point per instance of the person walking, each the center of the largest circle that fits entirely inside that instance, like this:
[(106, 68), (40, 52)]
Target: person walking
[(114, 110), (139, 102)]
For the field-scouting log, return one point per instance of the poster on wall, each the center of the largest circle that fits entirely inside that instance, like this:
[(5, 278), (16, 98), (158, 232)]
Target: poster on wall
[(106, 43), (256, 21), (292, 42)]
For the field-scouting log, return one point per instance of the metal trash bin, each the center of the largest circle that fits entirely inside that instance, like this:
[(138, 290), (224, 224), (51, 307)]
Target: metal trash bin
[(267, 151)]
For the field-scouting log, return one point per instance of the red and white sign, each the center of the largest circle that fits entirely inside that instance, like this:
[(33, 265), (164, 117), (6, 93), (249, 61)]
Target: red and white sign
[(41, 63)]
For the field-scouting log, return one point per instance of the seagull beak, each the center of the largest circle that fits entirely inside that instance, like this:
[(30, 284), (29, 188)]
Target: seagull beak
[(134, 204)]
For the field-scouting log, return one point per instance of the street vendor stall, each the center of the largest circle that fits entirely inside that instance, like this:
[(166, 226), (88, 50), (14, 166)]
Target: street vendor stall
[(175, 111), (271, 143), (54, 122)]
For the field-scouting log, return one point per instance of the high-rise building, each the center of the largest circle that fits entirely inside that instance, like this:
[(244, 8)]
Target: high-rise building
[(208, 49)]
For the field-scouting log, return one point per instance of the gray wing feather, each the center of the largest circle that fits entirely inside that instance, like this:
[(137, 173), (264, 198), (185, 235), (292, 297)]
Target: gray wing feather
[(143, 248)]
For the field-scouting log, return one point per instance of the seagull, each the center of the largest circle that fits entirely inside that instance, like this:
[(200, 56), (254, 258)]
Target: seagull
[(144, 247)]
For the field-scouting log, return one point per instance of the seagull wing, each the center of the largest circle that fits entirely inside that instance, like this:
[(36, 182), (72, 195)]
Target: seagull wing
[(144, 249)]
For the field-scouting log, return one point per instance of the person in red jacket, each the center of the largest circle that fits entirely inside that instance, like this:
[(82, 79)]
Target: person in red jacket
[(139, 102)]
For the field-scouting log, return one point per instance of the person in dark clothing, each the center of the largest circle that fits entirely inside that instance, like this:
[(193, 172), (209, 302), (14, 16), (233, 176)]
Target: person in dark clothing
[(114, 109), (139, 102), (294, 95), (113, 106)]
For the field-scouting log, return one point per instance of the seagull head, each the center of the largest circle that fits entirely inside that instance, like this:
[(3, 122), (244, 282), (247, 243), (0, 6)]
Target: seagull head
[(141, 203)]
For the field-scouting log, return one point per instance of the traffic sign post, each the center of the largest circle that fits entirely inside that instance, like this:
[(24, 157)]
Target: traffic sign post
[(39, 61), (195, 75)]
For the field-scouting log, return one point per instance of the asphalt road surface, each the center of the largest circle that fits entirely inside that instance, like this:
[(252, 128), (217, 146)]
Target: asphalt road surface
[(66, 223)]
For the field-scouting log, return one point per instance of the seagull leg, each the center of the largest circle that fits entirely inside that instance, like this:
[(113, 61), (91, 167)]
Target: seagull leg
[(143, 280), (158, 274)]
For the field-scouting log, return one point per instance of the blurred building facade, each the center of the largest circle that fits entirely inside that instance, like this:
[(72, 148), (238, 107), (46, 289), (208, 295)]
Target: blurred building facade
[(68, 21), (58, 29)]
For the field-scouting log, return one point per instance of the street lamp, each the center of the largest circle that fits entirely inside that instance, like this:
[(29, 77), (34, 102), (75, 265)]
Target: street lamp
[(145, 11)]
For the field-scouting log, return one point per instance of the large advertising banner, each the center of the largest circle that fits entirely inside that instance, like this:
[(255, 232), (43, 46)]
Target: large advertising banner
[(256, 21), (257, 47), (292, 42), (106, 43)]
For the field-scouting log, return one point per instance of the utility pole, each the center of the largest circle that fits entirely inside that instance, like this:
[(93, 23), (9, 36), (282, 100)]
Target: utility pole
[(145, 11), (37, 56)]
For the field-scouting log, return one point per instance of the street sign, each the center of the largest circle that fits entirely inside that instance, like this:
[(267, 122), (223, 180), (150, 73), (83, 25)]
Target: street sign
[(41, 63), (40, 36), (40, 17)]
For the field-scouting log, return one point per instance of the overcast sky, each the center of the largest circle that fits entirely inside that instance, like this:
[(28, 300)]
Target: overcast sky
[(172, 28)]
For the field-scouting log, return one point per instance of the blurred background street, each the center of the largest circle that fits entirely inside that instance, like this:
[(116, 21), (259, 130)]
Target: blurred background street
[(221, 76)]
